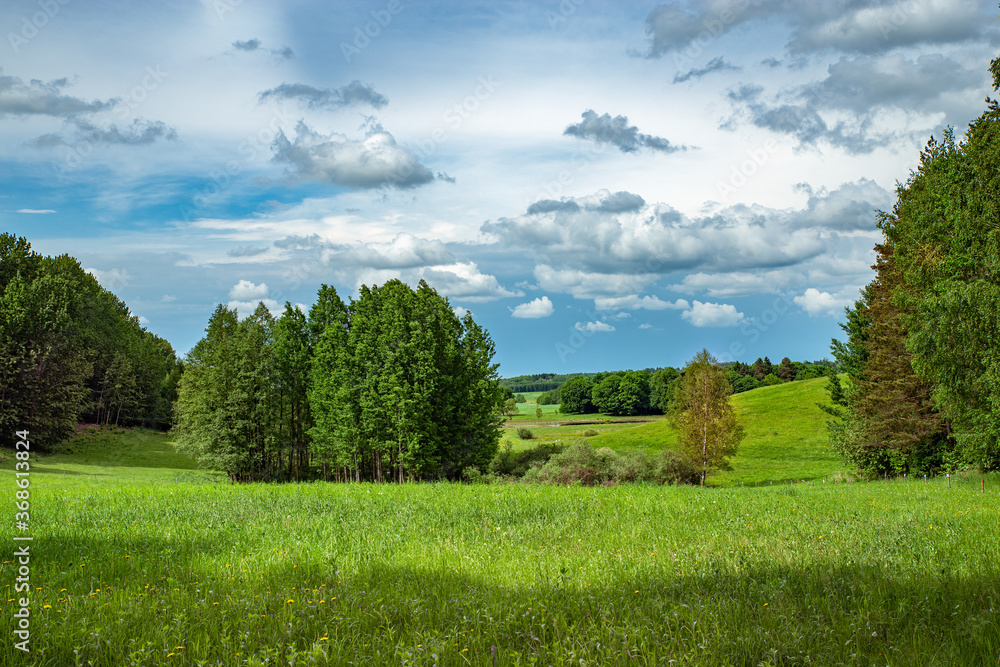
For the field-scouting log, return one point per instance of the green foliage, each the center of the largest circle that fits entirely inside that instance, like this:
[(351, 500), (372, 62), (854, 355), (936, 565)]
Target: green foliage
[(510, 463), (520, 399), (71, 350), (346, 392), (709, 431), (575, 396), (923, 348), (662, 386), (524, 433), (549, 398), (770, 380), (622, 393)]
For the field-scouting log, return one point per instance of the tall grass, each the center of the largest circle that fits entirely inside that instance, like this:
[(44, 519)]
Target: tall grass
[(168, 572)]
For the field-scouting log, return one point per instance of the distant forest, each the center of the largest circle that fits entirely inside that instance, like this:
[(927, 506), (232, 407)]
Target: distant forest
[(71, 352)]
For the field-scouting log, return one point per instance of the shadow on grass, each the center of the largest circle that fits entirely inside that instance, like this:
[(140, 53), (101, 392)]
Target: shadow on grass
[(772, 615)]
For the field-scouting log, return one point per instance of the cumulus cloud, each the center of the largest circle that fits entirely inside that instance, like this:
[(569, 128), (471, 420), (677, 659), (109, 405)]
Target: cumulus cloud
[(635, 302), (713, 315), (858, 106), (245, 309), (112, 278), (594, 327), (534, 309), (682, 28), (459, 280), (717, 64), (372, 162), (739, 283), (818, 303), (246, 290), (402, 252), (617, 132), (38, 98), (460, 312), (327, 98)]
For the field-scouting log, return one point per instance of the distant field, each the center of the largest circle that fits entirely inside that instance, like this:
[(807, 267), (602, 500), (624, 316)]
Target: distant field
[(139, 560), (786, 437)]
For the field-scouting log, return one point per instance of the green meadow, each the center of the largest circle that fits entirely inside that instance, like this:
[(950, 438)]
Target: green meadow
[(138, 558)]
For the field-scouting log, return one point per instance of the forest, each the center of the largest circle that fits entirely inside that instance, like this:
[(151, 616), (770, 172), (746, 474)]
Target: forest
[(922, 352), (71, 352)]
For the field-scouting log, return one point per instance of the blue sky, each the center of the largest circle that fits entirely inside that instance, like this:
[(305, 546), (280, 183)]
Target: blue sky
[(603, 184)]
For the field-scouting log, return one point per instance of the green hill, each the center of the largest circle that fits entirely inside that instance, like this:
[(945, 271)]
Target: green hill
[(786, 436)]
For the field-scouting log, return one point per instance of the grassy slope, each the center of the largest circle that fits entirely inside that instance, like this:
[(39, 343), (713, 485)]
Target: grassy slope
[(786, 436)]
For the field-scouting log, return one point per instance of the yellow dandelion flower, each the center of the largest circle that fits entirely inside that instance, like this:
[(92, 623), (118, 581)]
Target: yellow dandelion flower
[(48, 606)]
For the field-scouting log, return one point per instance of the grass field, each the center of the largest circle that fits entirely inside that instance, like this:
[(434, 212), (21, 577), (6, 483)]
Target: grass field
[(139, 559)]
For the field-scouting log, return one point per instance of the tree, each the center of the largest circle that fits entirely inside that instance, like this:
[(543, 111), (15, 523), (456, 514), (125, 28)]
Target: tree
[(708, 430), (661, 388), (786, 370), (575, 396), (520, 399)]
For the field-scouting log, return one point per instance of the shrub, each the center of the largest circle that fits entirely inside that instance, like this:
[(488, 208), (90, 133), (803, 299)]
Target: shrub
[(590, 432), (671, 468), (509, 463), (524, 433), (471, 475)]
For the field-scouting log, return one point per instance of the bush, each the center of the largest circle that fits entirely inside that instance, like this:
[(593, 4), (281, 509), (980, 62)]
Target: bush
[(508, 463), (671, 468), (590, 432), (524, 433), (471, 475)]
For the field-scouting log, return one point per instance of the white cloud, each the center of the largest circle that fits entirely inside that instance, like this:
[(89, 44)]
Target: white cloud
[(635, 302), (372, 162), (168, 298), (459, 311), (459, 280), (818, 303), (35, 211), (112, 279), (713, 315), (245, 290), (593, 327), (646, 326), (534, 309), (584, 285), (244, 309)]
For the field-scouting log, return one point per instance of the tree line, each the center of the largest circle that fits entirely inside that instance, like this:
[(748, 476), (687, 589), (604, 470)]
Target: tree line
[(922, 353), (71, 351), (392, 386), (627, 393)]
